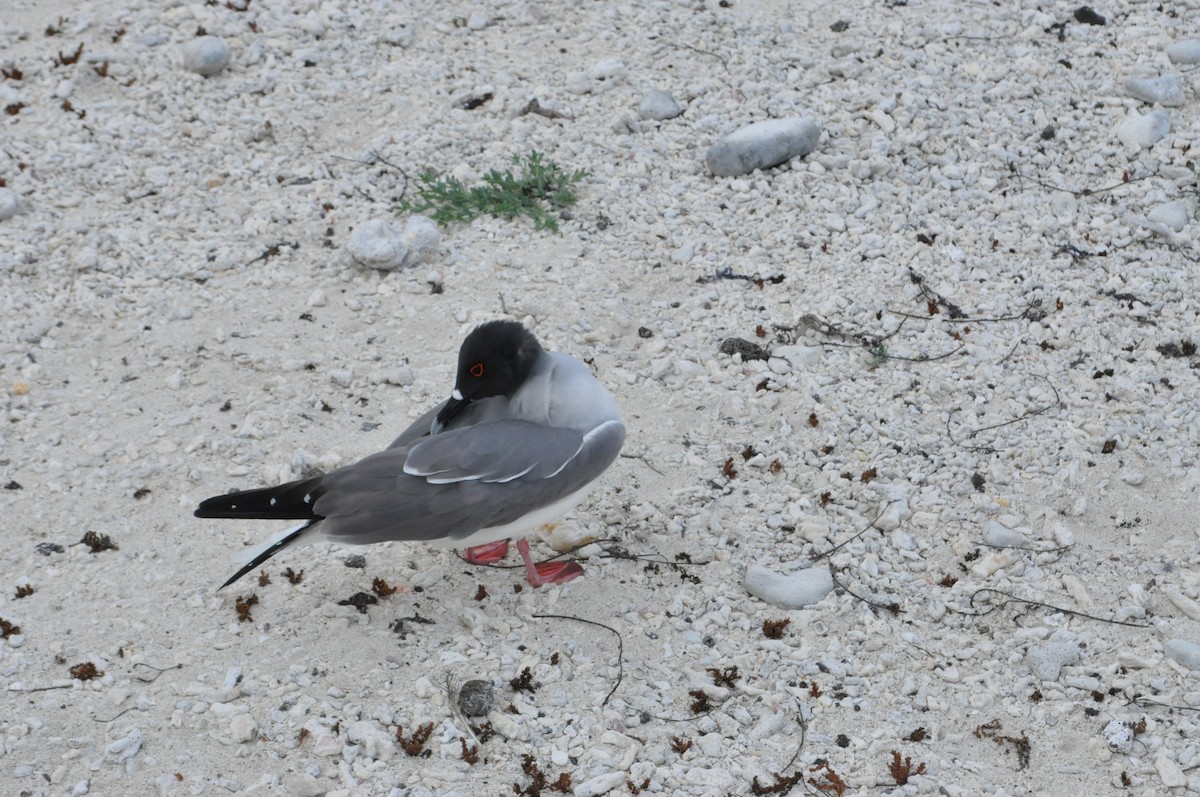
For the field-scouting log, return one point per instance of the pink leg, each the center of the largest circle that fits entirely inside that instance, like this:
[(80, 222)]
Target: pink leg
[(547, 572), (487, 554)]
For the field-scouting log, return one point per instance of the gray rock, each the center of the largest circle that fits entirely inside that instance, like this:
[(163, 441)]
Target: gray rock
[(748, 349), (793, 591), (762, 145), (659, 105), (1172, 214), (378, 244), (205, 55), (997, 535), (1184, 653), (1186, 51), (1143, 130), (475, 699), (1047, 660), (421, 236), (1166, 90), (11, 204), (356, 561)]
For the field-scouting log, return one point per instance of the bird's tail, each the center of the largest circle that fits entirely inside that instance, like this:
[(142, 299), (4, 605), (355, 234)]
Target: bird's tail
[(256, 556)]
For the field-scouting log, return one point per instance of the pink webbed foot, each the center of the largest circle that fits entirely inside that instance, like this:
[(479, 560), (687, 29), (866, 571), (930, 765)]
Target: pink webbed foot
[(487, 554), (547, 572)]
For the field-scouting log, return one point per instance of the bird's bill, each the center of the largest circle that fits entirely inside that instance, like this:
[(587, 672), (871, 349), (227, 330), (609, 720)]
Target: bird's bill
[(450, 410)]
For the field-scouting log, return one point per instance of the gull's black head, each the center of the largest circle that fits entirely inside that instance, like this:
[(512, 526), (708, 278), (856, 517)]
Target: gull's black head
[(495, 360)]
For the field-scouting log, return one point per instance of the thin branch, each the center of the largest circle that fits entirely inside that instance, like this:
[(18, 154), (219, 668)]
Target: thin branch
[(620, 647), (1014, 599)]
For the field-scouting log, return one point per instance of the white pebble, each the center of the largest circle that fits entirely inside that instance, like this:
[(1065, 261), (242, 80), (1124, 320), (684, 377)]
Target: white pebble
[(243, 728), (302, 784), (378, 244), (1172, 214), (1171, 774), (1047, 660), (1142, 131), (997, 535), (1166, 90), (792, 591), (762, 145), (421, 236), (1184, 653), (1186, 51), (205, 55), (659, 105), (601, 784), (11, 203), (342, 376), (1118, 736)]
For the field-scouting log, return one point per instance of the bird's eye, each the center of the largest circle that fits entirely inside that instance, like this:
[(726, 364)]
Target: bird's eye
[(476, 370)]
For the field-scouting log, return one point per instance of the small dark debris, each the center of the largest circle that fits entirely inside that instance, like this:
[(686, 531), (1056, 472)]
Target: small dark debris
[(141, 493), (24, 591), (727, 677), (680, 745), (243, 605), (748, 452), (927, 238), (415, 744), (369, 426), (14, 108), (1108, 447), (306, 316), (99, 542), (1184, 348), (7, 629), (477, 101), (85, 671), (1087, 16), (13, 485), (47, 548), (357, 561), (918, 735), (977, 481), (476, 698), (841, 26), (843, 740), (728, 470), (1048, 133), (645, 332), (382, 588), (773, 629), (867, 475), (481, 593), (360, 601), (264, 578), (748, 349), (700, 702), (523, 682)]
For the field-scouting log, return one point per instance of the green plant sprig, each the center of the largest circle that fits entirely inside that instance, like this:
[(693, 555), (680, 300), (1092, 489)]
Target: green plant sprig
[(540, 184)]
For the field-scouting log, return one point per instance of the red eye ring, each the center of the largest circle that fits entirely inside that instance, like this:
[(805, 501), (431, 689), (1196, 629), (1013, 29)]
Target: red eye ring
[(476, 370)]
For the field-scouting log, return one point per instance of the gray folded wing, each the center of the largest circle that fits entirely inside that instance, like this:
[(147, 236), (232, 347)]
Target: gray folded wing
[(450, 485)]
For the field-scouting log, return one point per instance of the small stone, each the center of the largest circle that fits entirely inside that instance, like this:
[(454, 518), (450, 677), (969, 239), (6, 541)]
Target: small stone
[(1172, 214), (748, 349), (11, 204), (1047, 660), (1170, 772), (659, 105), (378, 244), (762, 145), (1186, 51), (476, 698), (1143, 130), (373, 741), (997, 535), (327, 745), (478, 21), (1088, 16), (1184, 653), (125, 747), (601, 784), (301, 784), (342, 376), (564, 537), (356, 561), (421, 236), (205, 55), (1166, 90), (1118, 735), (712, 745), (792, 591), (243, 728)]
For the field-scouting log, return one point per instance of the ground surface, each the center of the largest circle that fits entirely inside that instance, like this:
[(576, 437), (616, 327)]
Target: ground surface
[(971, 316)]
